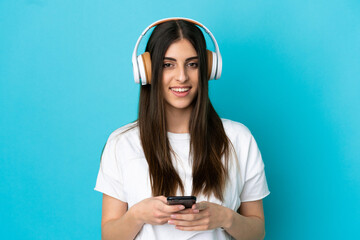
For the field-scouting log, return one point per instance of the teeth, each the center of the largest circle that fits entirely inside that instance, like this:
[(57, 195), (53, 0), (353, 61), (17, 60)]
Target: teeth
[(180, 89)]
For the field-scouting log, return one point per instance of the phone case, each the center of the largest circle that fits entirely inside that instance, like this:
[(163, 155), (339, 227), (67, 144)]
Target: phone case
[(187, 201)]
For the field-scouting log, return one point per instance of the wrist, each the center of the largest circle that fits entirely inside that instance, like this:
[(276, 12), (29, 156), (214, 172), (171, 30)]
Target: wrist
[(135, 215), (229, 218)]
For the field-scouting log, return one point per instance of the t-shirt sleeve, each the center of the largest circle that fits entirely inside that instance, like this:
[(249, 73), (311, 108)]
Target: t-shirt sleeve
[(255, 186), (109, 180)]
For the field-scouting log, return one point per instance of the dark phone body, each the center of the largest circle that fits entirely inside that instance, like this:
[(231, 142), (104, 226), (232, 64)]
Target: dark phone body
[(187, 201)]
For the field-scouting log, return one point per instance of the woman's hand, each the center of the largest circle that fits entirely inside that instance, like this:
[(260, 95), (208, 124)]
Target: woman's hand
[(154, 210), (204, 216)]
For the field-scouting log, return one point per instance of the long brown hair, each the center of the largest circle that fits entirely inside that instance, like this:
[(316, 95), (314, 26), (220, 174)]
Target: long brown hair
[(209, 143)]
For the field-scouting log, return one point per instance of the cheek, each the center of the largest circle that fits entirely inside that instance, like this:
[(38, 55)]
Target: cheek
[(166, 79), (164, 83)]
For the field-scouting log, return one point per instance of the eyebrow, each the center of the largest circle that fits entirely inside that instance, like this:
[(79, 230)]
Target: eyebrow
[(173, 59)]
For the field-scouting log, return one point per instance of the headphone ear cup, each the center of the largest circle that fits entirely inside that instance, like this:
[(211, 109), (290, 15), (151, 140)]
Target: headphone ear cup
[(144, 63), (136, 70), (212, 59), (218, 67), (147, 66), (209, 63), (141, 70)]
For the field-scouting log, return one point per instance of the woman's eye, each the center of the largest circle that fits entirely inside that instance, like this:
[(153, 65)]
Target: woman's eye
[(193, 64), (167, 65)]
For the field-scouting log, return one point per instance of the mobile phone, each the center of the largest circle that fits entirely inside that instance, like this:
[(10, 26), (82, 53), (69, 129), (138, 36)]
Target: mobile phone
[(187, 201)]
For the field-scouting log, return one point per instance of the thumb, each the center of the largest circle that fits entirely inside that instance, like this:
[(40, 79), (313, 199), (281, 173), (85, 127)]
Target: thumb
[(201, 205), (162, 199)]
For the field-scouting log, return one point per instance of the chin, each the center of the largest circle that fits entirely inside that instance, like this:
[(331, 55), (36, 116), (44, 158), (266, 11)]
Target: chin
[(180, 106)]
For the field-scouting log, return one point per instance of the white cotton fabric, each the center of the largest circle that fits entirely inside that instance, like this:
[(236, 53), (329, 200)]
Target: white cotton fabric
[(124, 175)]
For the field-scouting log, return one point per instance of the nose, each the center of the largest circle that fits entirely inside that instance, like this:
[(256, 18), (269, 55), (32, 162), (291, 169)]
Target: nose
[(181, 75)]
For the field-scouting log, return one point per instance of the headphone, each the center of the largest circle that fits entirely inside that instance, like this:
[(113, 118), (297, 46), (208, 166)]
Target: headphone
[(142, 63)]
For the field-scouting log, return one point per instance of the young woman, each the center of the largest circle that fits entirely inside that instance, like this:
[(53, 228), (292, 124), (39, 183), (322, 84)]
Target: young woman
[(179, 147)]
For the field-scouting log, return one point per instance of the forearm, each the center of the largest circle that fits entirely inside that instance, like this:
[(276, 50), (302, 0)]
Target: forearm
[(126, 227), (245, 228)]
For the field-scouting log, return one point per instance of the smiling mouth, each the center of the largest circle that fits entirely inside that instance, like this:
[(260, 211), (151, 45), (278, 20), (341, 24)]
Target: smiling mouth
[(180, 90)]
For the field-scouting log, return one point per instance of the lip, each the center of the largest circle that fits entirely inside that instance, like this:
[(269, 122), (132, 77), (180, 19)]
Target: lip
[(180, 87), (180, 94)]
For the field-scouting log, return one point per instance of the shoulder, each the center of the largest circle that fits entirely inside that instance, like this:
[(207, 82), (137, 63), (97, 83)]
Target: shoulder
[(235, 129), (125, 132), (126, 140)]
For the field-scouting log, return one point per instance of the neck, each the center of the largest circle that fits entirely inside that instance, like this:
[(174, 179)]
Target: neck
[(177, 120)]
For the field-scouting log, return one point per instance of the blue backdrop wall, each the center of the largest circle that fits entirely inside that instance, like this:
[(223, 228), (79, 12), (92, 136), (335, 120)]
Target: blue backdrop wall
[(291, 74)]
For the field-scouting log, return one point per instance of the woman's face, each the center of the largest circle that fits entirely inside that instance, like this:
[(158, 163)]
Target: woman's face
[(180, 76)]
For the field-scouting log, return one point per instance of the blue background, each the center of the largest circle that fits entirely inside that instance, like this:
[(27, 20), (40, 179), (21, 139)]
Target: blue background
[(291, 74)]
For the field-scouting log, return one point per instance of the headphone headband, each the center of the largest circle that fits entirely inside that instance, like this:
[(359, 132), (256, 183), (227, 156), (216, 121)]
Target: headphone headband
[(136, 67)]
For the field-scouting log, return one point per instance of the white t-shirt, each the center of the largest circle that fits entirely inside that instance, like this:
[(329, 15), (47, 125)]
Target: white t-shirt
[(124, 175)]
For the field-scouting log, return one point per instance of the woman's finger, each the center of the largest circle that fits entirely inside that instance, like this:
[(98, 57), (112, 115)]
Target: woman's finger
[(189, 210), (184, 223), (171, 208), (186, 217), (192, 228)]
